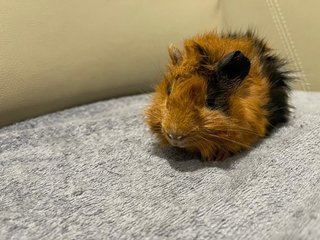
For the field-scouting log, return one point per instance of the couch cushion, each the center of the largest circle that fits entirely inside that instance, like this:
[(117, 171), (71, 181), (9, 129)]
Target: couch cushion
[(95, 172)]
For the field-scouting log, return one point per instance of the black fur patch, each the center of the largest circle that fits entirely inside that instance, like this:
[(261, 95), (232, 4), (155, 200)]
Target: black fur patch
[(217, 95), (230, 72), (279, 79)]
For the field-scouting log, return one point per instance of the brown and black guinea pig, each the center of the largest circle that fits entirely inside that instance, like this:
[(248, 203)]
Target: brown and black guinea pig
[(220, 95)]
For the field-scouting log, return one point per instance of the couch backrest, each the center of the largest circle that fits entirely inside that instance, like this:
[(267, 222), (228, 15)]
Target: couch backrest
[(291, 26), (57, 54)]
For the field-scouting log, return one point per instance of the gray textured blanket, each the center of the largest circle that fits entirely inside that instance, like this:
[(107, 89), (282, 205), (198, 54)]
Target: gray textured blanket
[(94, 172)]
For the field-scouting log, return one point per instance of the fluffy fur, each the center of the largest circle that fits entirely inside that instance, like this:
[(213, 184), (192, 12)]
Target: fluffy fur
[(203, 108)]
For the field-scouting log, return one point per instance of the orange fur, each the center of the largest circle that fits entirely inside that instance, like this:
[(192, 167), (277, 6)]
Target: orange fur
[(216, 135)]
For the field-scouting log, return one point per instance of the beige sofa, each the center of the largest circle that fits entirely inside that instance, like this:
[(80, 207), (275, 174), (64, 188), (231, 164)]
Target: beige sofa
[(54, 55)]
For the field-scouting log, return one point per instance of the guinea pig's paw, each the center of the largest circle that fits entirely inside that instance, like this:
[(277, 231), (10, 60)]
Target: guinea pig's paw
[(222, 155), (207, 158), (219, 155)]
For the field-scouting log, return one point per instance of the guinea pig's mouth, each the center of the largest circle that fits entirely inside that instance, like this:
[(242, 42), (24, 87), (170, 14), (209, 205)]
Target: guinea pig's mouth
[(177, 144), (176, 141)]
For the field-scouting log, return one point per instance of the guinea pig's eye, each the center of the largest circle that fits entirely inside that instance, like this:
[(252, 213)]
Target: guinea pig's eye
[(183, 76), (210, 102), (169, 89)]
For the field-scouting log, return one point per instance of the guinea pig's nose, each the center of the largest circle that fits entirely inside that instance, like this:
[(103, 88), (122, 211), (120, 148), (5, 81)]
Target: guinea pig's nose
[(174, 136)]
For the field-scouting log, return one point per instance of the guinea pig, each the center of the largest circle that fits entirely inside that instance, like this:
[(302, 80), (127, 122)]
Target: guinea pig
[(220, 96)]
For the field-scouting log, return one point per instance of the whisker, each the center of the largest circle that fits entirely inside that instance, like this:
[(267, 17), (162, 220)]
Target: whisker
[(230, 140), (202, 144), (217, 145), (236, 128), (239, 130)]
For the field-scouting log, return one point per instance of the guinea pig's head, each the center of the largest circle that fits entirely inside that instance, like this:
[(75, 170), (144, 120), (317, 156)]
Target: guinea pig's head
[(189, 106)]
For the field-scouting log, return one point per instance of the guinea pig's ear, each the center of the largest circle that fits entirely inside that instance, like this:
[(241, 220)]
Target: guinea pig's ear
[(234, 66), (175, 54), (201, 55)]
